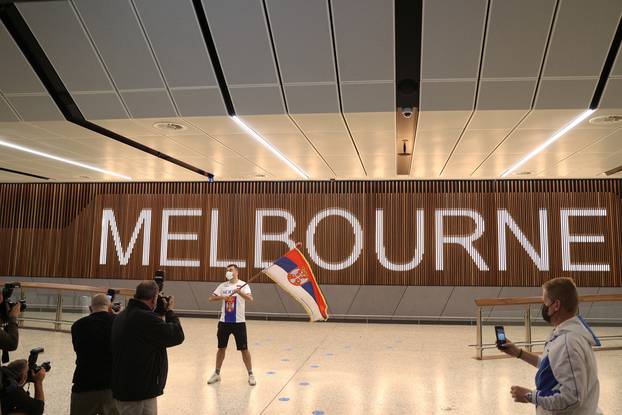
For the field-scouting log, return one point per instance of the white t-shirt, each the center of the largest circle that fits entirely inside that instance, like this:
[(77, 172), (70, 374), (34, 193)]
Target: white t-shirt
[(233, 309)]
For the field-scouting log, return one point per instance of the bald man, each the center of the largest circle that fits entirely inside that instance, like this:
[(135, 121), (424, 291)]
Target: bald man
[(91, 393)]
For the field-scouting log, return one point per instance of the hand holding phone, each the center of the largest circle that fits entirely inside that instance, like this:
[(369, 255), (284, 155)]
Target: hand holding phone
[(500, 335)]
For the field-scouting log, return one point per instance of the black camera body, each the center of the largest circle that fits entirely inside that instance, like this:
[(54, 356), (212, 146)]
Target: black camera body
[(8, 304), (159, 280), (116, 305), (32, 363)]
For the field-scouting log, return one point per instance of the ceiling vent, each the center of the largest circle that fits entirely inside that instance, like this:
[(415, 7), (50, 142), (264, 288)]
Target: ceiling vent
[(170, 126), (606, 120)]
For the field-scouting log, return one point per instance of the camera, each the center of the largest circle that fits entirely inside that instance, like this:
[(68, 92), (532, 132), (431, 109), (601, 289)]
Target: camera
[(32, 363), (116, 305), (160, 306), (8, 304), (407, 112)]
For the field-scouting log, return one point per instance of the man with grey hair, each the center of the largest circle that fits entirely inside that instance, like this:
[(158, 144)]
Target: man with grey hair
[(91, 393), (139, 341)]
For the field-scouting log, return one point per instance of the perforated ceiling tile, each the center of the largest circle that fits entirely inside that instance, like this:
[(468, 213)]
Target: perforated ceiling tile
[(516, 38), (180, 49), (368, 97), (505, 95), (302, 26), (452, 38), (364, 32), (199, 102), (78, 65), (309, 99), (16, 75), (120, 42), (36, 108), (581, 38), (257, 100), (100, 106), (145, 104), (447, 96), (241, 37), (6, 114)]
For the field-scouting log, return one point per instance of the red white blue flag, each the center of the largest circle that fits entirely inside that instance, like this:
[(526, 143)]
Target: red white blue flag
[(293, 274)]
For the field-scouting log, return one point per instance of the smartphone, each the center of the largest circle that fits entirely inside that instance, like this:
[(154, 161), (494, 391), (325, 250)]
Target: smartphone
[(500, 334), (111, 294)]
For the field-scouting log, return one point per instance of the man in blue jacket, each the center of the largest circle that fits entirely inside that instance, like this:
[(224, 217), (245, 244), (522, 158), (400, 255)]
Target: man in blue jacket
[(567, 378), (139, 341)]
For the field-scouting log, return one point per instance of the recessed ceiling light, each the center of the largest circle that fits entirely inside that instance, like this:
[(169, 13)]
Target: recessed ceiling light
[(170, 126), (61, 159), (606, 120)]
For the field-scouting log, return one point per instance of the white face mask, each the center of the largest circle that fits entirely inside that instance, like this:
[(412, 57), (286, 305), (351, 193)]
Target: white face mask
[(229, 275)]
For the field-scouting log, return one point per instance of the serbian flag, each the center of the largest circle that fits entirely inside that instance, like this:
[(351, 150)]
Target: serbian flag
[(293, 274)]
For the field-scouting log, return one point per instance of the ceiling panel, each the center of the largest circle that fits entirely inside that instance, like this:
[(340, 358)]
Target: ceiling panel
[(516, 38), (364, 41), (241, 37), (301, 31), (319, 122), (180, 49), (332, 143), (447, 96), (480, 142), (16, 75), (579, 45), (36, 108), (309, 99), (78, 65), (114, 28), (581, 38), (6, 113), (456, 28)]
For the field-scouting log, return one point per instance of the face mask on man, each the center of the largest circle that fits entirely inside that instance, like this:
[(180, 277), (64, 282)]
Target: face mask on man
[(545, 313), (229, 275)]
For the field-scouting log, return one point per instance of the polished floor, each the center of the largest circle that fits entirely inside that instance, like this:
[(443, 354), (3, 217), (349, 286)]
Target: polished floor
[(334, 368)]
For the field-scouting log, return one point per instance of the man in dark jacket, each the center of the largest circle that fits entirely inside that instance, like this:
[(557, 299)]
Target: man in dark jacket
[(139, 341), (90, 335), (9, 335)]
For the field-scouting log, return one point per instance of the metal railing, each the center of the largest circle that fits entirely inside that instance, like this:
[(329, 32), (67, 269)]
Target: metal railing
[(61, 289), (481, 303)]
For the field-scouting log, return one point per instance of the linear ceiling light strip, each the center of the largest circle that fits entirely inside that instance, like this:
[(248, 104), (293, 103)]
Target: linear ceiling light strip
[(28, 44), (62, 159), (598, 92), (550, 141), (199, 10)]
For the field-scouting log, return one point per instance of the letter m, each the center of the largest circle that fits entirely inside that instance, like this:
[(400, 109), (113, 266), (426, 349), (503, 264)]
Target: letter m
[(108, 220)]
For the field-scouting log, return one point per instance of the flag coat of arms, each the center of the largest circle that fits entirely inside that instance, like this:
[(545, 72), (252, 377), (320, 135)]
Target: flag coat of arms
[(293, 274)]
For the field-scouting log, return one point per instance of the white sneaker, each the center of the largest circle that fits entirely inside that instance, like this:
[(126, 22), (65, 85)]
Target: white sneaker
[(215, 378), (251, 380)]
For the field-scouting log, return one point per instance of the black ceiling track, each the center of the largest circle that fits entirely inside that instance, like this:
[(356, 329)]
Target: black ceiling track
[(408, 28), (213, 55), (28, 44), (36, 176), (609, 61)]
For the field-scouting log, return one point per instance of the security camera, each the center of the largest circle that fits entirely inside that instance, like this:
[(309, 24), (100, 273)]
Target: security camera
[(407, 112)]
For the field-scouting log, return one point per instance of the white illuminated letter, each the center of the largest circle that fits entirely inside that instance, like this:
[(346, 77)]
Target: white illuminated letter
[(358, 239), (213, 249), (567, 239), (108, 219), (166, 236), (280, 237), (465, 241), (381, 250), (541, 260)]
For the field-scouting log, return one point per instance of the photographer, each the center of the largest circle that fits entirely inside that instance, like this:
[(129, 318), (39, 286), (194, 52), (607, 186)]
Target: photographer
[(91, 393), (139, 341), (14, 398), (9, 336)]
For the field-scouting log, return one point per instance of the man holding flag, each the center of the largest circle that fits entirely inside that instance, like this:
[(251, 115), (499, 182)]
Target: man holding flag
[(233, 293)]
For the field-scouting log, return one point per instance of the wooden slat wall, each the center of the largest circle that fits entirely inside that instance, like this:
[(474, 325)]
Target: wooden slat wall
[(55, 229)]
